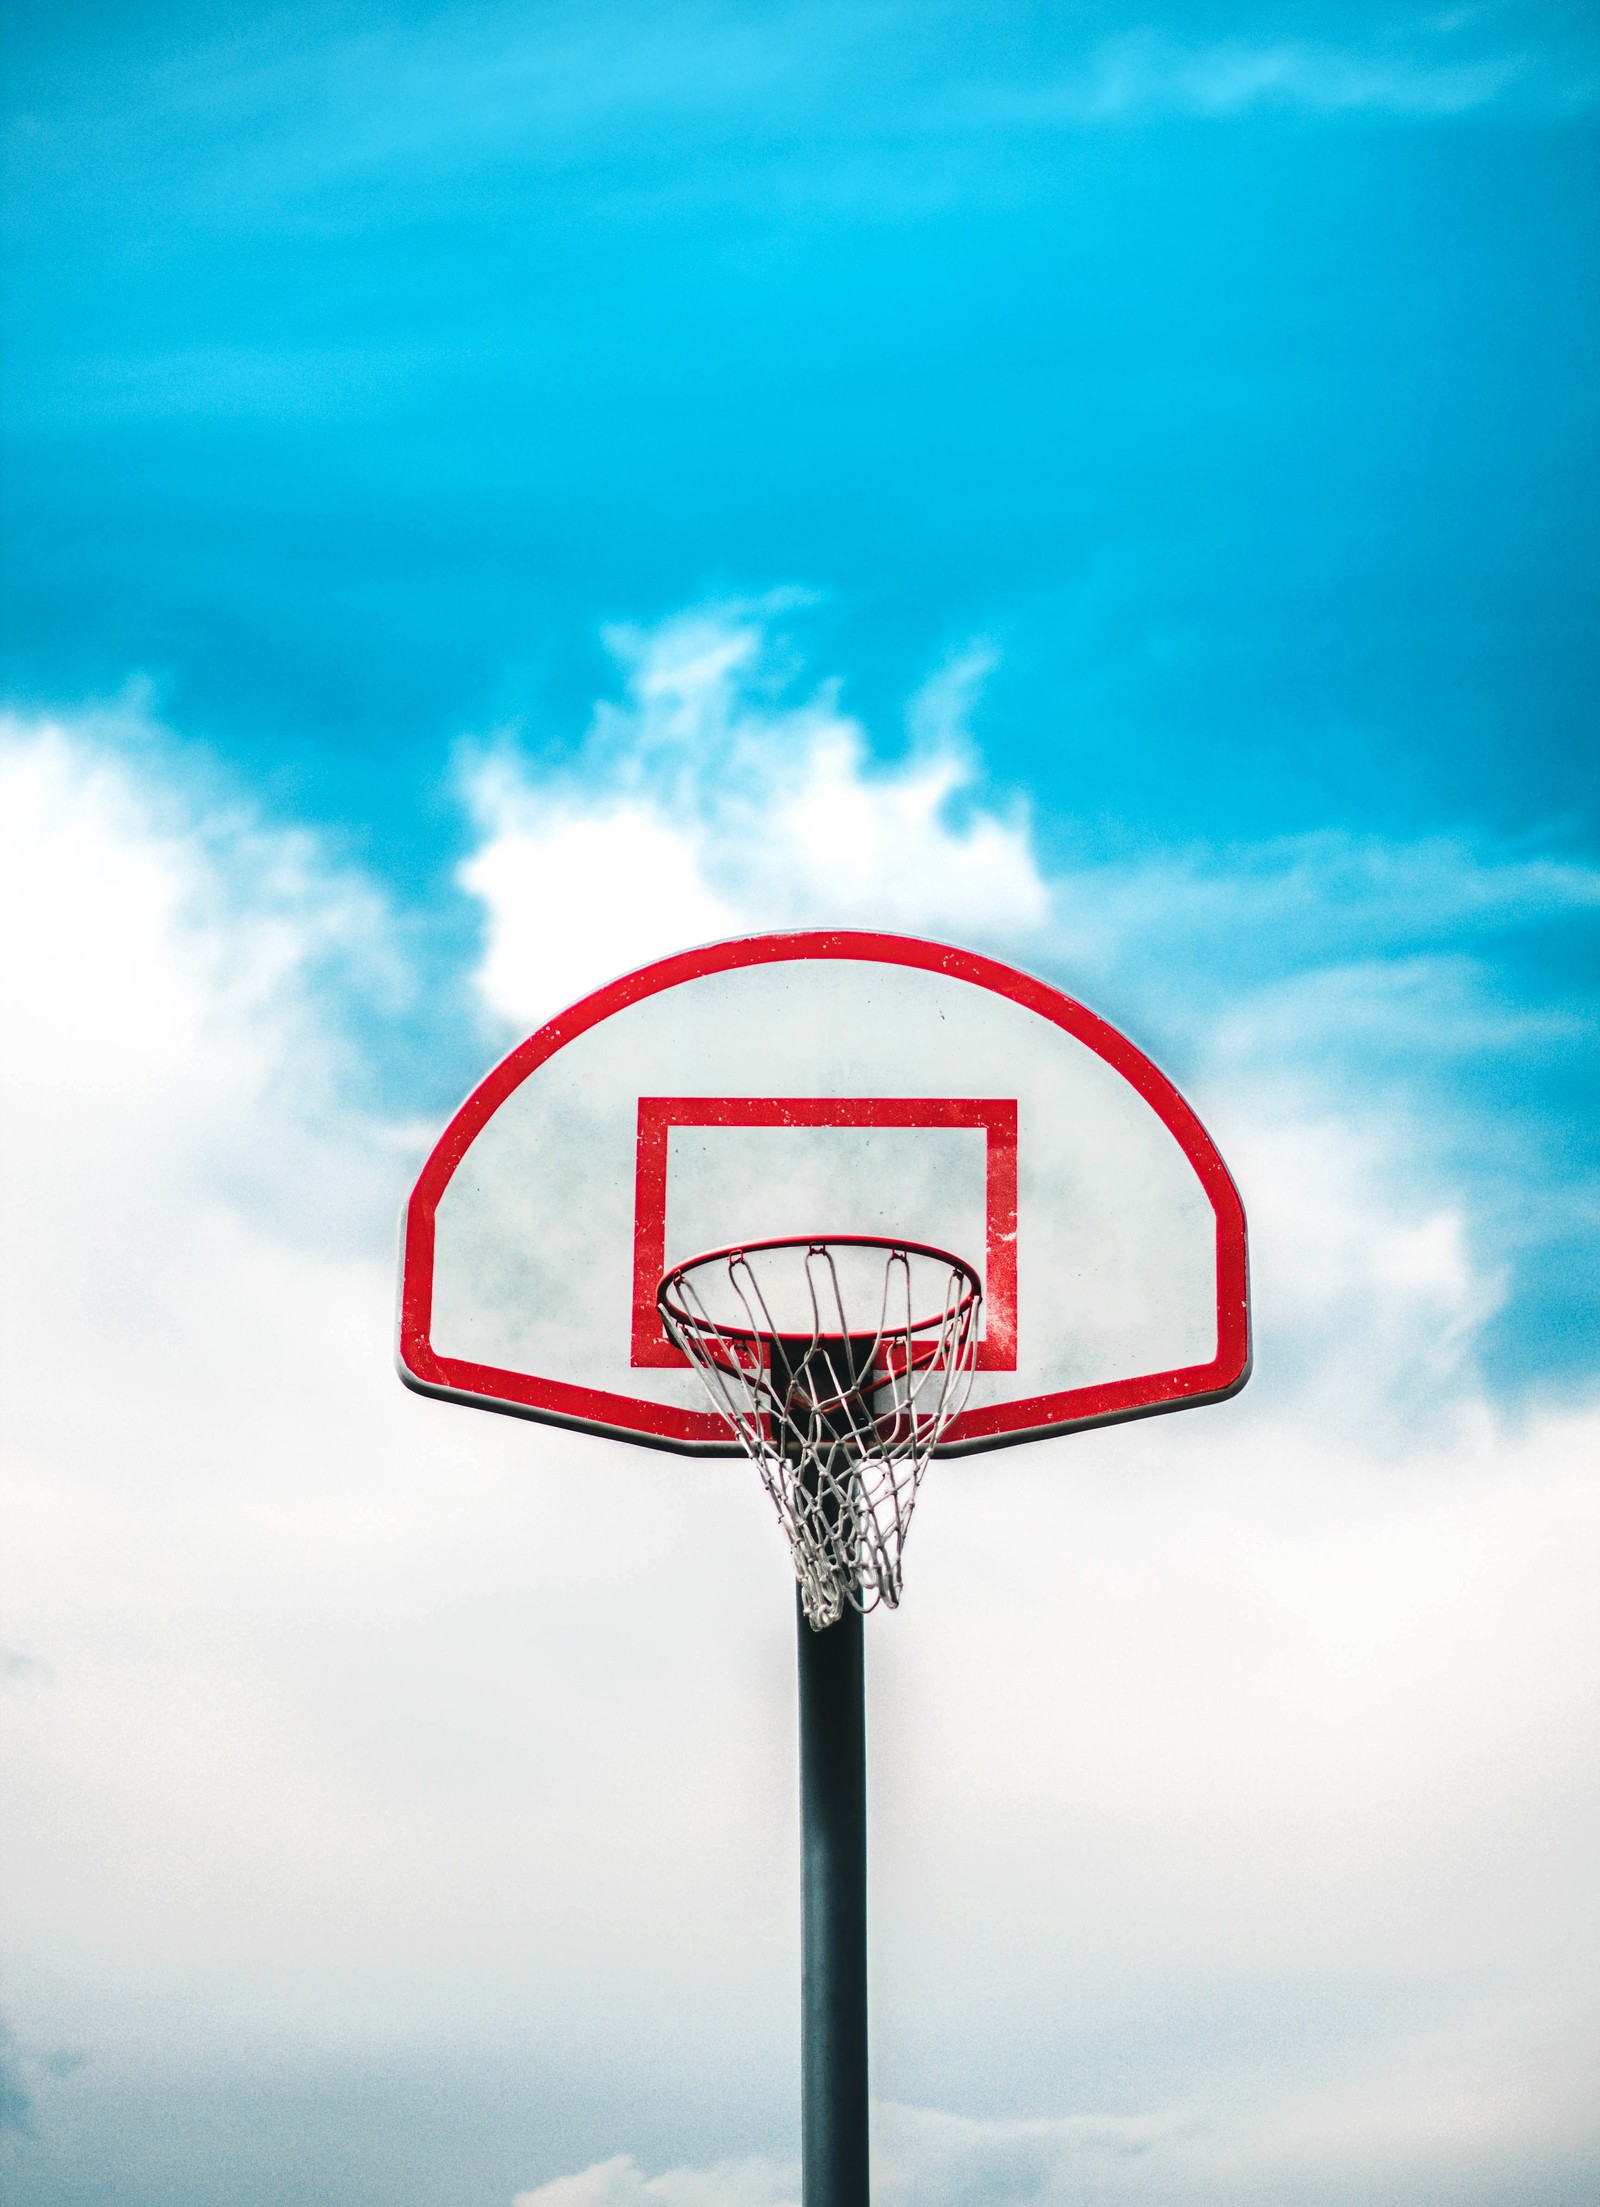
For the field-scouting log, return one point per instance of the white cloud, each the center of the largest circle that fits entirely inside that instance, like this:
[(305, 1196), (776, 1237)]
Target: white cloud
[(355, 1721), (704, 808), (174, 965), (251, 1576), (620, 2182), (572, 898)]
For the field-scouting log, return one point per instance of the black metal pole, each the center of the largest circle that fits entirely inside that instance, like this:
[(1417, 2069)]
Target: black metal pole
[(833, 1842)]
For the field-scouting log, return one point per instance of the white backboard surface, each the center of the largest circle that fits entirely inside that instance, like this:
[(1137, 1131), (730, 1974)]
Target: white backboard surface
[(825, 1083)]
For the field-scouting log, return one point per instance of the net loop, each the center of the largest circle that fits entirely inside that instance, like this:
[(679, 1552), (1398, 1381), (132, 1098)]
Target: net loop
[(839, 1361)]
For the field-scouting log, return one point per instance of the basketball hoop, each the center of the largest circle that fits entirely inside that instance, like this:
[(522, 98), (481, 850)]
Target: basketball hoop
[(721, 1098), (838, 1361)]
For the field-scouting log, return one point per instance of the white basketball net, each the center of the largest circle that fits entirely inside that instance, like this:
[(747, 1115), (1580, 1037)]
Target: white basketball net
[(838, 1363)]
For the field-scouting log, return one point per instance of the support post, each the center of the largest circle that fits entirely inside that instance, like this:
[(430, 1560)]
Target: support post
[(833, 1838)]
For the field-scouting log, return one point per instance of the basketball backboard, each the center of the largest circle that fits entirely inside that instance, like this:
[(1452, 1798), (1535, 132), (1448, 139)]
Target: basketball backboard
[(825, 1084)]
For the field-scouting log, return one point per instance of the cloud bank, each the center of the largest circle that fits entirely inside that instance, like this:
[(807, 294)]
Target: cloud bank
[(1231, 1831)]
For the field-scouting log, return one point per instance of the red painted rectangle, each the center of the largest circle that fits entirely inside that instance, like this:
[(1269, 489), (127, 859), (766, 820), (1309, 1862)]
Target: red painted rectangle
[(997, 1117)]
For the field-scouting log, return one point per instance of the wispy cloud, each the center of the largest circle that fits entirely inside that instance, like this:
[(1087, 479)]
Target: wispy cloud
[(490, 82), (706, 804), (1329, 894), (275, 125), (1397, 1008), (926, 2158), (922, 2157), (28, 2073), (1422, 76), (620, 2182)]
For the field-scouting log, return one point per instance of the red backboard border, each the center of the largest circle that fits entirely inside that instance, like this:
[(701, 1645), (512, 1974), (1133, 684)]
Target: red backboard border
[(702, 1433)]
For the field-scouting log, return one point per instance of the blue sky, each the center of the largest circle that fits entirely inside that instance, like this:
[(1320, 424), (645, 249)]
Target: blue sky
[(1234, 369), (493, 493)]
